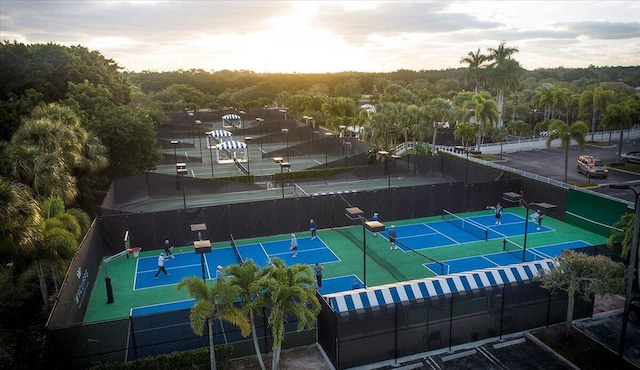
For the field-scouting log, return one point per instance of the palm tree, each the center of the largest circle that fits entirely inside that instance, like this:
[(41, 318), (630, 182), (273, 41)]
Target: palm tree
[(465, 132), (288, 290), (485, 112), (476, 69), (215, 302), (504, 73), (560, 130), (597, 101), (619, 116), (439, 111), (246, 276), (20, 223)]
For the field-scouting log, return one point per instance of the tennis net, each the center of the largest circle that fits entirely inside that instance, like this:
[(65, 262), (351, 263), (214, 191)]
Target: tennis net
[(235, 249), (467, 225), (444, 270), (519, 251)]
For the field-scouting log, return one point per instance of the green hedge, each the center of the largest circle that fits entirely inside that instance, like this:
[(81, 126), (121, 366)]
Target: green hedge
[(193, 360)]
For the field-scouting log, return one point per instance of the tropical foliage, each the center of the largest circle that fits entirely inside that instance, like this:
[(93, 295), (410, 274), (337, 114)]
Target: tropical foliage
[(583, 275)]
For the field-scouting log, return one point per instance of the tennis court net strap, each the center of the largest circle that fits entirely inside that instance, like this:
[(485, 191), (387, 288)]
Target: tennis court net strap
[(467, 225), (235, 249)]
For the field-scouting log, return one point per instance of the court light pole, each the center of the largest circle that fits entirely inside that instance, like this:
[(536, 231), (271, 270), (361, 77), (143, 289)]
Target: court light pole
[(385, 154), (355, 213), (174, 143), (632, 264), (198, 123), (326, 153), (181, 170), (283, 165), (285, 131), (260, 120), (517, 198), (211, 153), (247, 140)]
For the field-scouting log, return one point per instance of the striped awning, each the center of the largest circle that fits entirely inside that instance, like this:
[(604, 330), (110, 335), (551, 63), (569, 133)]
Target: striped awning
[(219, 133), (369, 107), (437, 286), (230, 117), (231, 145)]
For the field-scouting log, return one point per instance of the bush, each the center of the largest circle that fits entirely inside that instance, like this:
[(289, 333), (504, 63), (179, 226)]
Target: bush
[(194, 360)]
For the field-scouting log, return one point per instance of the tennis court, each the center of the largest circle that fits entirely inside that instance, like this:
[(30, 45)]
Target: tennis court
[(427, 247)]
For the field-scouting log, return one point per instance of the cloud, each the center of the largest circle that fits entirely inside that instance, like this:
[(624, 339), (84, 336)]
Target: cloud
[(328, 36)]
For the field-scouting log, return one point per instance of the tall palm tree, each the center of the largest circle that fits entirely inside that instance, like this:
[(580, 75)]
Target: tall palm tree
[(485, 112), (620, 116), (504, 73), (476, 68), (246, 277), (560, 130), (288, 290), (596, 101), (215, 302)]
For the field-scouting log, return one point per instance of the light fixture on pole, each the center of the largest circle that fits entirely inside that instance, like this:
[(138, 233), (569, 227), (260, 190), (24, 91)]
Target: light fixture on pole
[(632, 264), (247, 140), (385, 166), (517, 198), (210, 142), (355, 213), (285, 113), (342, 127), (283, 165), (181, 170), (198, 123), (174, 143), (260, 120), (326, 153), (285, 131)]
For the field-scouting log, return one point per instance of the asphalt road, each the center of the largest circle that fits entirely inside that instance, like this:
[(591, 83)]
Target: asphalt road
[(551, 163)]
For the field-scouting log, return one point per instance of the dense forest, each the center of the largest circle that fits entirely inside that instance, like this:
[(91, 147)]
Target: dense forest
[(71, 121)]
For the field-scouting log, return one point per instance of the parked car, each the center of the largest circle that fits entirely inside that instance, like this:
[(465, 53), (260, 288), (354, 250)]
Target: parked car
[(634, 310), (592, 167), (631, 157)]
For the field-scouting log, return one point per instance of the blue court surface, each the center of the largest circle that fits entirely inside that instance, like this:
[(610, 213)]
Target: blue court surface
[(443, 233), (502, 259), (310, 251)]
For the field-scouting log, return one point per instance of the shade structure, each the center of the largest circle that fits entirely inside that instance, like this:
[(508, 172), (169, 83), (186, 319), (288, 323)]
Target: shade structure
[(231, 151), (231, 120)]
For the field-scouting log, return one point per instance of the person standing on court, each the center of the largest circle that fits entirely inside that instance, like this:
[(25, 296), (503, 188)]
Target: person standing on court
[(219, 273), (537, 217), (356, 284), (498, 210), (392, 238), (319, 270), (294, 245), (167, 248), (313, 227), (162, 258)]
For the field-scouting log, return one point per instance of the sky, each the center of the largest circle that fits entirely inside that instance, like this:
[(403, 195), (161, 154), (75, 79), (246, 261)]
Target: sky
[(330, 36)]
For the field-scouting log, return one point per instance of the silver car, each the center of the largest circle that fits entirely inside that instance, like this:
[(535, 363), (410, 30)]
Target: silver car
[(631, 157)]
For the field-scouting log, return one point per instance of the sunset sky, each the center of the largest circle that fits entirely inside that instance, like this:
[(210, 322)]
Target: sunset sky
[(330, 36)]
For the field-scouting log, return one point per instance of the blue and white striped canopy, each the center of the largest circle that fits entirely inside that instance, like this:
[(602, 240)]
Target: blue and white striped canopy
[(369, 107), (219, 133), (433, 287), (231, 145), (230, 117)]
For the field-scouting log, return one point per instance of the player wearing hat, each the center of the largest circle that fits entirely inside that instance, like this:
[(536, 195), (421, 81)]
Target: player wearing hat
[(392, 238), (161, 260)]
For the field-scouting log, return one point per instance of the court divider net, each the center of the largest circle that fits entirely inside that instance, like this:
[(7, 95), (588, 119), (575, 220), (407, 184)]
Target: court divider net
[(467, 225), (235, 249)]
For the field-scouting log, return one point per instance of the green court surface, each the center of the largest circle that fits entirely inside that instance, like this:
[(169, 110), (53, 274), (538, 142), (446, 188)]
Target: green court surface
[(384, 266)]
